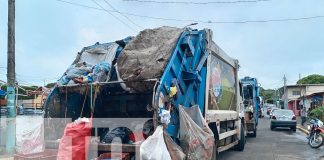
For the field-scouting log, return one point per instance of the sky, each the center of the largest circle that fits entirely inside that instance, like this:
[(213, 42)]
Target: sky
[(49, 33)]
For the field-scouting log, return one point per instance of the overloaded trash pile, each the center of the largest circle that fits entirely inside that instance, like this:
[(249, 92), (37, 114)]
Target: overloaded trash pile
[(146, 56), (196, 139), (93, 63), (129, 61)]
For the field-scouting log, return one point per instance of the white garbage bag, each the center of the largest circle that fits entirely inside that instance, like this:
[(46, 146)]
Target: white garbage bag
[(154, 148), (29, 134)]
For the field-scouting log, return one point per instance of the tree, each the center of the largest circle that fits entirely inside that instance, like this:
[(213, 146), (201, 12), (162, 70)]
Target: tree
[(50, 85), (312, 79), (267, 93)]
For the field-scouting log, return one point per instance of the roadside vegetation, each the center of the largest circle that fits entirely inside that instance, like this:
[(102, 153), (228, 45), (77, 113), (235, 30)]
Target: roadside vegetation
[(317, 113)]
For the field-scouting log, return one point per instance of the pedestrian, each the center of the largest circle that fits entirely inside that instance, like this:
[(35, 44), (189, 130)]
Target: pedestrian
[(303, 116), (21, 109)]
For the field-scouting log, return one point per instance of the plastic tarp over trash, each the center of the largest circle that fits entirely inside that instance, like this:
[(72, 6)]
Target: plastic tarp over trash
[(196, 138), (99, 53), (146, 56), (75, 141), (29, 134), (154, 148)]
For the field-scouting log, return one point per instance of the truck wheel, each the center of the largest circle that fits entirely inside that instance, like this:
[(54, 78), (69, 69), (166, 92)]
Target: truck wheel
[(215, 153), (241, 142), (254, 134)]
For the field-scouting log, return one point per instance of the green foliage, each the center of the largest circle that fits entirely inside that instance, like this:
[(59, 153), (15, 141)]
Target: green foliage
[(312, 79), (267, 93), (50, 85), (317, 113)]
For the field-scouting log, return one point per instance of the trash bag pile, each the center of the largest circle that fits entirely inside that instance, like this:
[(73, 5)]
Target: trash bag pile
[(121, 132), (146, 56), (154, 147), (93, 63), (83, 72), (74, 143), (196, 138)]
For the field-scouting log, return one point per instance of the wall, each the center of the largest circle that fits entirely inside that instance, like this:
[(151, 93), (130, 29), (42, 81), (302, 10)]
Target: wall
[(295, 88), (32, 102), (314, 89)]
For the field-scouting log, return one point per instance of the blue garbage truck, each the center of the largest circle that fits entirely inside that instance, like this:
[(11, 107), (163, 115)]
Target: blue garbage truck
[(158, 70), (251, 101)]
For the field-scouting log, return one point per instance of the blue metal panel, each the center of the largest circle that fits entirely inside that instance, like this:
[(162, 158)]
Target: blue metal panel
[(186, 68), (202, 87), (256, 92)]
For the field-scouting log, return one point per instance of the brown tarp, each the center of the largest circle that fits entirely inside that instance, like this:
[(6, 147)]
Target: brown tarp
[(146, 56)]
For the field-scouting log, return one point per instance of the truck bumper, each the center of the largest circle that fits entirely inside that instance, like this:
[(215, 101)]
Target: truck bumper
[(283, 123)]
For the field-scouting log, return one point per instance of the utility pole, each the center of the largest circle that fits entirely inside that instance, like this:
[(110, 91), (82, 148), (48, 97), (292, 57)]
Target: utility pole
[(11, 78), (285, 93), (299, 76)]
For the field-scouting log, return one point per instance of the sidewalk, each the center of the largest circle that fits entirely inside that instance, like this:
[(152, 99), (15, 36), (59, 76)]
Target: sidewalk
[(6, 157), (300, 127)]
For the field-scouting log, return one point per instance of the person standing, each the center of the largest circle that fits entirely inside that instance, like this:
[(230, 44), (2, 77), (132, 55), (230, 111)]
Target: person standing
[(21, 109), (303, 115)]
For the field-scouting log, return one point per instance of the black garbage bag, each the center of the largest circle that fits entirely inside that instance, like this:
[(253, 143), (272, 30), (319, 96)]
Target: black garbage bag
[(121, 132)]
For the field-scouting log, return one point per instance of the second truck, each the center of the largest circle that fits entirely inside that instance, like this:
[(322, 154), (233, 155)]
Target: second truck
[(251, 101)]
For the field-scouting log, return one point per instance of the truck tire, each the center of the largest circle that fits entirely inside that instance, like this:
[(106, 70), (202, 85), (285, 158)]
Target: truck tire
[(254, 134), (215, 153), (241, 143)]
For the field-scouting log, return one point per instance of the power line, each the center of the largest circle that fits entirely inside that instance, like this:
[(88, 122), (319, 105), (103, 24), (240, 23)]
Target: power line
[(197, 21), (109, 12), (123, 15), (196, 3)]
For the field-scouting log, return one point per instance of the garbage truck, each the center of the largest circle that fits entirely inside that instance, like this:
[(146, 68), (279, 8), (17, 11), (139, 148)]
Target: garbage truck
[(164, 74), (251, 101)]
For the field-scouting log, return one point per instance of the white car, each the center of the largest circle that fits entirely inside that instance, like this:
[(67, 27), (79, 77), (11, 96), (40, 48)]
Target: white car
[(272, 110)]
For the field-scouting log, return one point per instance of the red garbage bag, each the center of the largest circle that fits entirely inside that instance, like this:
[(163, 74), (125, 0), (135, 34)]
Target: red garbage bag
[(74, 143)]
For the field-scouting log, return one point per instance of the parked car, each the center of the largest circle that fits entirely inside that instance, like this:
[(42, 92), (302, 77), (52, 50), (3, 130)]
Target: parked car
[(283, 118)]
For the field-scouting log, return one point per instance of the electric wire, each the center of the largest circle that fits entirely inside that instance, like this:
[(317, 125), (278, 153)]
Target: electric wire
[(195, 3), (198, 21), (109, 12), (123, 15)]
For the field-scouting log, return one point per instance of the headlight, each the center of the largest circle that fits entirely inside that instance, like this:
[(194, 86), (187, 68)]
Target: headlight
[(309, 127)]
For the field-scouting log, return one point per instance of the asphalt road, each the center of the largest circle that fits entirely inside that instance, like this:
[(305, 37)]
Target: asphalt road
[(281, 144)]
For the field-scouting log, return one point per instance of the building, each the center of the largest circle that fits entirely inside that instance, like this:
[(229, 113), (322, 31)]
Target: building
[(40, 95), (308, 95)]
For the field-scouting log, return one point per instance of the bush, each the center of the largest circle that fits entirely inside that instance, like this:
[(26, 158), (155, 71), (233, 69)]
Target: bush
[(317, 113)]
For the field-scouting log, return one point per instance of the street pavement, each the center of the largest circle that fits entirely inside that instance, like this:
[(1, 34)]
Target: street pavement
[(281, 144)]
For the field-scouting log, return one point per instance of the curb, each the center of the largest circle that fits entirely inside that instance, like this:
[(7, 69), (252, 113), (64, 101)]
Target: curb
[(6, 158), (303, 129)]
